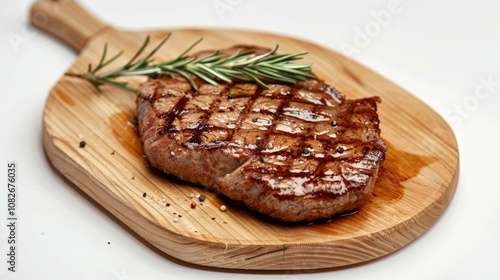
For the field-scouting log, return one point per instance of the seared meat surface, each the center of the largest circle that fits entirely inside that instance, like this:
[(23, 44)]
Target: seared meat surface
[(293, 152)]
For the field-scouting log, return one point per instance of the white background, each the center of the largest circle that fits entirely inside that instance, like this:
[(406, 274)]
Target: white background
[(440, 51)]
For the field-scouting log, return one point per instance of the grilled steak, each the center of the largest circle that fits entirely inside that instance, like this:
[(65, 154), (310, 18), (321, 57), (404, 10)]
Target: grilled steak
[(293, 152)]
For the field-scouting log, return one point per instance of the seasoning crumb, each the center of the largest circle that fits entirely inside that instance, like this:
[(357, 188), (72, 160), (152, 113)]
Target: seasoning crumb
[(82, 144), (340, 150), (180, 216), (133, 178), (191, 195), (213, 218), (144, 195), (223, 208), (202, 198), (176, 220), (168, 204), (113, 153), (109, 242), (193, 205), (261, 158), (134, 121)]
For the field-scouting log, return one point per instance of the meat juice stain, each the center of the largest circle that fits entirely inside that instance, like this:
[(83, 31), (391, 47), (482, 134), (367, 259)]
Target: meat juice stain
[(399, 167), (64, 98), (126, 132)]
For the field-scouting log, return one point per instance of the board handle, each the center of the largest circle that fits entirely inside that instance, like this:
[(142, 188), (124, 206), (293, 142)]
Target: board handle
[(66, 20)]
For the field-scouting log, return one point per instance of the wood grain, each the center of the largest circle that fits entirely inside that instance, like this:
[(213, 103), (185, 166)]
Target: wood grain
[(416, 185)]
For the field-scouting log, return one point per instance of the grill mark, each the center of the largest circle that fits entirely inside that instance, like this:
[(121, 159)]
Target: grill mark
[(305, 137), (272, 128), (278, 115), (170, 117), (244, 113), (195, 136), (347, 142)]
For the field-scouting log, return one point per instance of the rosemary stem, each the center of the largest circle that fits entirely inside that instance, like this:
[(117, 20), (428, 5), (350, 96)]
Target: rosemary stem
[(213, 68)]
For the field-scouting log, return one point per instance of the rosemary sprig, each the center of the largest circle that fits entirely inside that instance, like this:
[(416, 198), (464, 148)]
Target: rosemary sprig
[(212, 68)]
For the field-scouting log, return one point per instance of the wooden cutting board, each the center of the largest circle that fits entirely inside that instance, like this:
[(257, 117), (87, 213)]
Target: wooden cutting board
[(416, 184)]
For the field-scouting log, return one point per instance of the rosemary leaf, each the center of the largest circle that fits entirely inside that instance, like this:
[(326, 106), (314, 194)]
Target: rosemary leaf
[(243, 66)]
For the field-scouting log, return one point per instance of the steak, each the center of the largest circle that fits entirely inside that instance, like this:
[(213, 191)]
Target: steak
[(296, 153)]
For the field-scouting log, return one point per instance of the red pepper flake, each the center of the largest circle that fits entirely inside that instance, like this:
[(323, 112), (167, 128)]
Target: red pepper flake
[(193, 205)]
